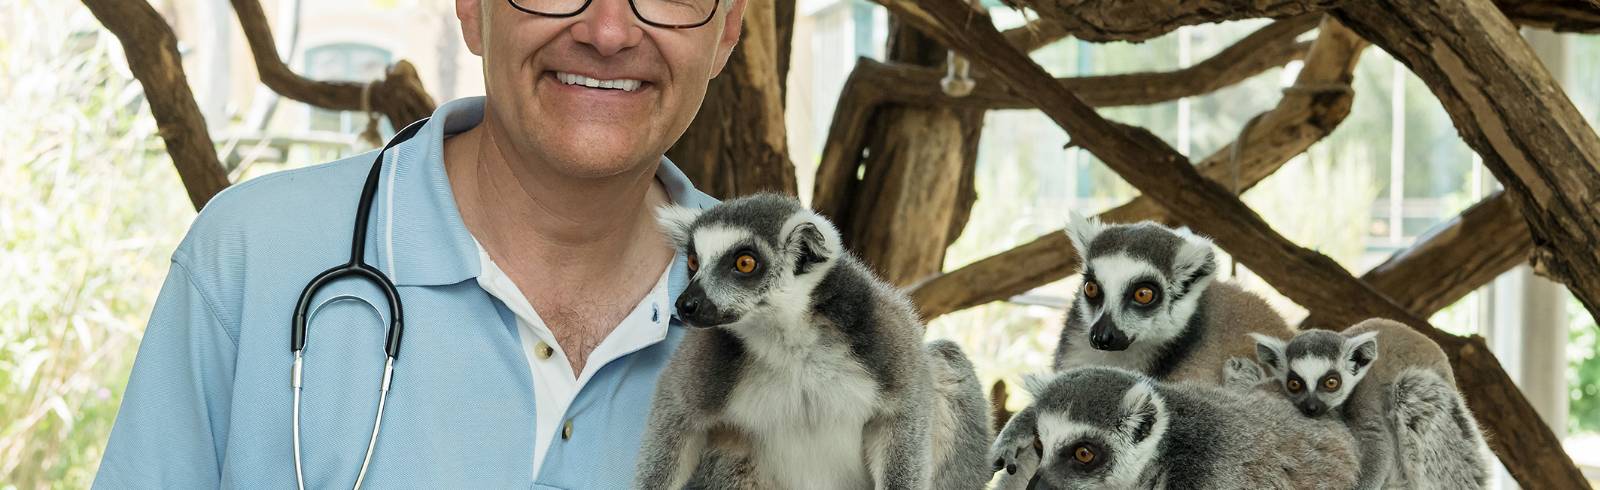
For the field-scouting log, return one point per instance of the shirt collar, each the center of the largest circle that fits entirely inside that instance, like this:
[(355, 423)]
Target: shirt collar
[(419, 237)]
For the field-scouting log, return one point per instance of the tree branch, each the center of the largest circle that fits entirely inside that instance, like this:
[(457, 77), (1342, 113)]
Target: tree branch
[(1267, 48), (153, 57), (1527, 447), (1486, 240), (1301, 118), (1119, 20), (399, 96), (1513, 113)]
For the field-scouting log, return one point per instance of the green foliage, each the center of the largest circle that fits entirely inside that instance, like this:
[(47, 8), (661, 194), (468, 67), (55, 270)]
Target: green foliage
[(1583, 371), (90, 210)]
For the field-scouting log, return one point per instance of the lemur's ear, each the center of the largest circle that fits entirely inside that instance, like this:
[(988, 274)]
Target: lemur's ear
[(1141, 408), (1195, 264), (1361, 351), (1269, 350), (1035, 383), (810, 240), (1082, 230), (675, 221)]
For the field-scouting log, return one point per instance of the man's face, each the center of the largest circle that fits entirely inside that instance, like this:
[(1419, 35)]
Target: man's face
[(531, 63)]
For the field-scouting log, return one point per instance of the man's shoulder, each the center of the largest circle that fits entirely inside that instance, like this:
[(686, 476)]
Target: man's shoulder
[(273, 206)]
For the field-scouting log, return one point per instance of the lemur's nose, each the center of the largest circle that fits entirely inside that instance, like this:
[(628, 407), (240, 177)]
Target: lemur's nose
[(688, 305)]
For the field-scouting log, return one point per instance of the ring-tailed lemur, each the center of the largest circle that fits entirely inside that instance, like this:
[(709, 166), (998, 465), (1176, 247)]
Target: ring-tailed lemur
[(1149, 303), (1395, 390), (1101, 427), (814, 365)]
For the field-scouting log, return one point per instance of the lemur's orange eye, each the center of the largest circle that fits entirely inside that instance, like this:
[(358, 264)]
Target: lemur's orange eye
[(745, 264), (694, 263), (1330, 384), (1091, 289), (1295, 386), (1144, 295), (1083, 454)]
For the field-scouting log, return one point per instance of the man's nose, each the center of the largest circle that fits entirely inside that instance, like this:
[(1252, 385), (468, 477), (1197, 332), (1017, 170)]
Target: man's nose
[(609, 26)]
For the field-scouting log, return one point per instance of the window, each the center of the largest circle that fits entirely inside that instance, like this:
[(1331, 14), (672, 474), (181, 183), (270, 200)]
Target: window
[(352, 62)]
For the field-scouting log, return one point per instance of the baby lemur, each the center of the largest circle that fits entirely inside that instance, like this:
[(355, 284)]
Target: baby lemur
[(1100, 427), (1395, 390), (1149, 303), (801, 369)]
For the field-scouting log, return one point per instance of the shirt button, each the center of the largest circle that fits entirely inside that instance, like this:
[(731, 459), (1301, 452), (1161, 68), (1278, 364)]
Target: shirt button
[(543, 350), (566, 430)]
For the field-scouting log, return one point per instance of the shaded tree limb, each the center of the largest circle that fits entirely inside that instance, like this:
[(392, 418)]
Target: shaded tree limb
[(1455, 259), (1513, 113), (1302, 117), (152, 51), (873, 83), (1527, 447), (1266, 48), (399, 96)]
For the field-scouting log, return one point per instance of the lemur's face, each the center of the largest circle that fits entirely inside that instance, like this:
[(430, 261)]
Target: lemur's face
[(1099, 428), (748, 255), (1141, 282), (1317, 368)]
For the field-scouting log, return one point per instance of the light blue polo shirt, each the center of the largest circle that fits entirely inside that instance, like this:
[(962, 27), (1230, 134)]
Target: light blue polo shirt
[(209, 401)]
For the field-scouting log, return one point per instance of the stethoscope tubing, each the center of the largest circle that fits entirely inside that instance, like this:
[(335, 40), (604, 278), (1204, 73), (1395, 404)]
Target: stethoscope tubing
[(358, 268)]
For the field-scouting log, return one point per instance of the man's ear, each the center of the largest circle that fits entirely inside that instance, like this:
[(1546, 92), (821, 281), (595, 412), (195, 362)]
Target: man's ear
[(1361, 351), (732, 26), (810, 240), (675, 221), (1269, 350), (471, 14)]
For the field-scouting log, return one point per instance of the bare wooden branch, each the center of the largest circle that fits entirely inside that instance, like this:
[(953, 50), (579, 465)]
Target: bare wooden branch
[(1034, 35), (1459, 257), (1302, 117), (1557, 15), (152, 51), (1267, 48), (1118, 20), (1527, 447), (1513, 113), (399, 96)]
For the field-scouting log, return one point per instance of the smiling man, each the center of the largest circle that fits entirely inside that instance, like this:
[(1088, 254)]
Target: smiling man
[(518, 230)]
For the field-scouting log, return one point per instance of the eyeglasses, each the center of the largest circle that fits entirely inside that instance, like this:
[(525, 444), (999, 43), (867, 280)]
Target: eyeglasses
[(669, 14)]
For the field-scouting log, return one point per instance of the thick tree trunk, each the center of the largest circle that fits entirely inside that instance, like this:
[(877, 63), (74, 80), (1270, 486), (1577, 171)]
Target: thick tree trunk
[(917, 191), (1510, 110), (736, 144)]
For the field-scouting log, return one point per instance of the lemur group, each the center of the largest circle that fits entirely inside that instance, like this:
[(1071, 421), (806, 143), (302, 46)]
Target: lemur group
[(801, 369)]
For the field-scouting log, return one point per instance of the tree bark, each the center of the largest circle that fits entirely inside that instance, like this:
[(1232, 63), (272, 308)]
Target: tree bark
[(399, 96), (1527, 447), (1119, 20), (153, 57), (1319, 101), (1509, 109), (918, 179), (736, 144)]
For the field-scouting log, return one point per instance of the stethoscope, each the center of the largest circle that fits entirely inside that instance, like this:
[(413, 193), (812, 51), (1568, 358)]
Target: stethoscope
[(357, 268)]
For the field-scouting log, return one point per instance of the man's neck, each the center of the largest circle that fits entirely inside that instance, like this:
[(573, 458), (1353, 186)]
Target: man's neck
[(583, 250)]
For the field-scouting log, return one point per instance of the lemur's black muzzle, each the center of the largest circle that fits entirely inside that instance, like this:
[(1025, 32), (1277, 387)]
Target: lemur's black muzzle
[(1105, 335), (696, 310)]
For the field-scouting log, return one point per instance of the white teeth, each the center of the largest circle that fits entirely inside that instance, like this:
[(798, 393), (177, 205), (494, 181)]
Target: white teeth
[(624, 85)]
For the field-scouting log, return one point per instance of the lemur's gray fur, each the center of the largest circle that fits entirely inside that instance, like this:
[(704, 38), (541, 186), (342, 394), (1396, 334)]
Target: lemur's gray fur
[(1101, 427), (1191, 324), (1395, 390), (801, 369)]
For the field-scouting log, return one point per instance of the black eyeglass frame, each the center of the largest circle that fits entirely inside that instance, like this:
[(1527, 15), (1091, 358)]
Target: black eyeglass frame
[(631, 5)]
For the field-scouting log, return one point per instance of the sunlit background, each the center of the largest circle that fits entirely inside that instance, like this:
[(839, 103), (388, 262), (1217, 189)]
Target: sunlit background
[(91, 208)]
